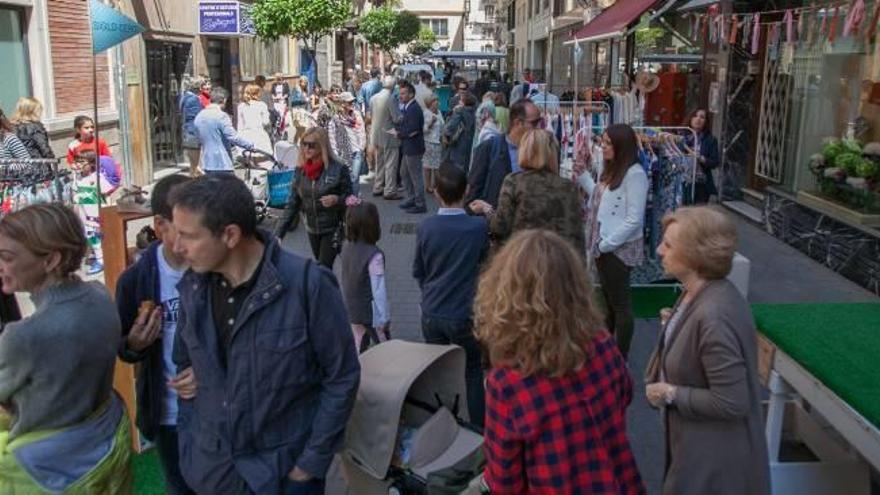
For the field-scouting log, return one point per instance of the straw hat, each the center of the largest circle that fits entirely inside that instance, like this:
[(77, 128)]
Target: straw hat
[(647, 82)]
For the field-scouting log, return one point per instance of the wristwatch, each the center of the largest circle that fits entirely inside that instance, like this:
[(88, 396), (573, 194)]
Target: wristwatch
[(669, 395)]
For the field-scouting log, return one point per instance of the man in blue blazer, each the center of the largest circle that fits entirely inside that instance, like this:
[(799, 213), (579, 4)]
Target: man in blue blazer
[(412, 148), (215, 132)]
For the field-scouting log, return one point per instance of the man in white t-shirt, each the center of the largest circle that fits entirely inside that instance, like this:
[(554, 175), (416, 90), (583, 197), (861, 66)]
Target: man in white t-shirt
[(147, 299)]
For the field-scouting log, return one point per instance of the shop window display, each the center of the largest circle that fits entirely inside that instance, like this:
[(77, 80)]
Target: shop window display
[(836, 145)]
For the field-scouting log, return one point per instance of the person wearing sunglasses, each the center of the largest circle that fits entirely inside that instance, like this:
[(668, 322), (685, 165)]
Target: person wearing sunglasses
[(496, 157), (320, 189), (462, 87)]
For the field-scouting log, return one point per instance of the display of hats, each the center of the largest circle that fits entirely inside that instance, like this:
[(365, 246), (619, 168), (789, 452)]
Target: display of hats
[(647, 82)]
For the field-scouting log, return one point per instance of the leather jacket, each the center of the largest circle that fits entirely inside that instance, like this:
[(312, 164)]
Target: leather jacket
[(35, 138), (306, 197)]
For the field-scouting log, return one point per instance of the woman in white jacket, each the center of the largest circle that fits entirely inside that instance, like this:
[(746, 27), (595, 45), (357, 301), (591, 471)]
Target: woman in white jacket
[(253, 118), (615, 225)]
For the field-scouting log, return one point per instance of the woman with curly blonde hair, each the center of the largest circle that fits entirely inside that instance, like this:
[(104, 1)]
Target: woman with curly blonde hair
[(558, 389)]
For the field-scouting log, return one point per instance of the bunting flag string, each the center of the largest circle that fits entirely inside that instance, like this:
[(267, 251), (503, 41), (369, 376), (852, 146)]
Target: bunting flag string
[(854, 18), (803, 25), (734, 27), (788, 19), (756, 33), (800, 26), (746, 31), (872, 27), (832, 28)]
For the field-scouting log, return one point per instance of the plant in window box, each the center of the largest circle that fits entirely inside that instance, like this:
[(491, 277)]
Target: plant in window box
[(849, 174)]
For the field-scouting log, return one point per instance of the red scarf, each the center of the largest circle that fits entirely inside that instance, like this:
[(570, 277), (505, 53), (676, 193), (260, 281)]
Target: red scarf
[(313, 169)]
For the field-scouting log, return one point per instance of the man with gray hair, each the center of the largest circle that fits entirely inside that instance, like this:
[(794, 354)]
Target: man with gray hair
[(385, 113), (216, 134)]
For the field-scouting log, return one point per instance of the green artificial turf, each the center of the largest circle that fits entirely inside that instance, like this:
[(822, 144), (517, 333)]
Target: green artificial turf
[(649, 300), (839, 344), (148, 478)]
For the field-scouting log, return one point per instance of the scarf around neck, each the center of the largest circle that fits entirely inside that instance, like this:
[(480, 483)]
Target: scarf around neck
[(313, 169)]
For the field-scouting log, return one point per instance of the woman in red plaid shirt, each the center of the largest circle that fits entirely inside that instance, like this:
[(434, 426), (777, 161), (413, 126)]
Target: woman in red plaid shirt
[(557, 393)]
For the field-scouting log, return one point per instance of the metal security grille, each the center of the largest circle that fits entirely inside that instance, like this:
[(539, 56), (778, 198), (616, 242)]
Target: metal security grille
[(166, 63), (775, 106)]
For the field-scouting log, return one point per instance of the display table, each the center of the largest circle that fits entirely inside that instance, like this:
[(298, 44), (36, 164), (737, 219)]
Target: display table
[(820, 362)]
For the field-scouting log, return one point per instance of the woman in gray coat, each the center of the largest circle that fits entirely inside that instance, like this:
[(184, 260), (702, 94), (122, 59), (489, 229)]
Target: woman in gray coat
[(704, 372)]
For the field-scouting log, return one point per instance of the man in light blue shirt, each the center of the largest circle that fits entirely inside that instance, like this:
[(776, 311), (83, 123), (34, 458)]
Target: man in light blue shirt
[(216, 134), (368, 89)]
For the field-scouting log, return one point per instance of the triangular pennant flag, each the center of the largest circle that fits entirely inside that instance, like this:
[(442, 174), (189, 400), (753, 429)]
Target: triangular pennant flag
[(109, 27)]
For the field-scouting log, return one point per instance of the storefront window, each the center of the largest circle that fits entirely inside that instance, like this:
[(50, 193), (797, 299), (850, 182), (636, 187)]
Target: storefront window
[(835, 119), (16, 82), (259, 57)]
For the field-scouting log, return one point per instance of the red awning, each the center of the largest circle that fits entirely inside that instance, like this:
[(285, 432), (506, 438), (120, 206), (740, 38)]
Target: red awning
[(613, 21)]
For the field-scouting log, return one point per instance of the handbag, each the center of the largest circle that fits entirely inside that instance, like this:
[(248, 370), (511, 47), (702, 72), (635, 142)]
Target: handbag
[(280, 182), (450, 140)]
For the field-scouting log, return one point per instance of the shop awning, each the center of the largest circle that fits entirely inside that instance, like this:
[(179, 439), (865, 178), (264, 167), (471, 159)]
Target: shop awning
[(696, 4), (614, 21)]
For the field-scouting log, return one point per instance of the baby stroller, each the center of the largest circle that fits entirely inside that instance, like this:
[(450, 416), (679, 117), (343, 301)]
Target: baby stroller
[(270, 187), (406, 434)]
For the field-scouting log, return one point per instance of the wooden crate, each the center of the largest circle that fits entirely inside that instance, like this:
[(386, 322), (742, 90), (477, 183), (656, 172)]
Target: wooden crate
[(766, 354)]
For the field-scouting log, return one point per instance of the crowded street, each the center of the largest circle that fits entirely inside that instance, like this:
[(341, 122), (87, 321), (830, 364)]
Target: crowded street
[(338, 247)]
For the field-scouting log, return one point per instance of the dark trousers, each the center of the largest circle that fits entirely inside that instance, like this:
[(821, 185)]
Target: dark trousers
[(460, 333), (322, 248), (614, 277), (698, 194), (166, 445), (314, 486), (413, 180)]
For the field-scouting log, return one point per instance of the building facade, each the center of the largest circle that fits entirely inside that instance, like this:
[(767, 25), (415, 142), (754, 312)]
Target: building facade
[(445, 17), (481, 22), (47, 54), (139, 82)]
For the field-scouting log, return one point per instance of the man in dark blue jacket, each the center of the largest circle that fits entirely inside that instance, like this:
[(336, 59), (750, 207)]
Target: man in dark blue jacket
[(497, 157), (149, 333), (412, 148), (268, 339)]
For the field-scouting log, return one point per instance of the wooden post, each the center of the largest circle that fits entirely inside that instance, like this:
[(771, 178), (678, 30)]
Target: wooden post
[(138, 116)]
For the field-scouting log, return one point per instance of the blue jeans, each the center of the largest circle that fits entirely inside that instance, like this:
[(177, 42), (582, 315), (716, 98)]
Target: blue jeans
[(166, 445), (357, 162), (461, 333)]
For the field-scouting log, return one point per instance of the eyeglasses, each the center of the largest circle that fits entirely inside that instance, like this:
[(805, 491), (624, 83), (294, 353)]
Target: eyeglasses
[(309, 145), (533, 122)]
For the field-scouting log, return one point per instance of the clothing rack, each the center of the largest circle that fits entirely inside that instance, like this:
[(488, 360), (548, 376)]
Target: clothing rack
[(18, 173), (678, 130), (10, 166)]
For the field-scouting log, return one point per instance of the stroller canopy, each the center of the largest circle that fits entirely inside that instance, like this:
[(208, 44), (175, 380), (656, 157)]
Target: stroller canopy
[(389, 373)]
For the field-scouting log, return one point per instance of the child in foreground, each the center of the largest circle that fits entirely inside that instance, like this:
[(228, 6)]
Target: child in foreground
[(363, 276)]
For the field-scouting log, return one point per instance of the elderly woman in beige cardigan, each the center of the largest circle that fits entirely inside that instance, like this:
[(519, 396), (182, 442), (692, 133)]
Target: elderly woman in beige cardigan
[(704, 372)]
